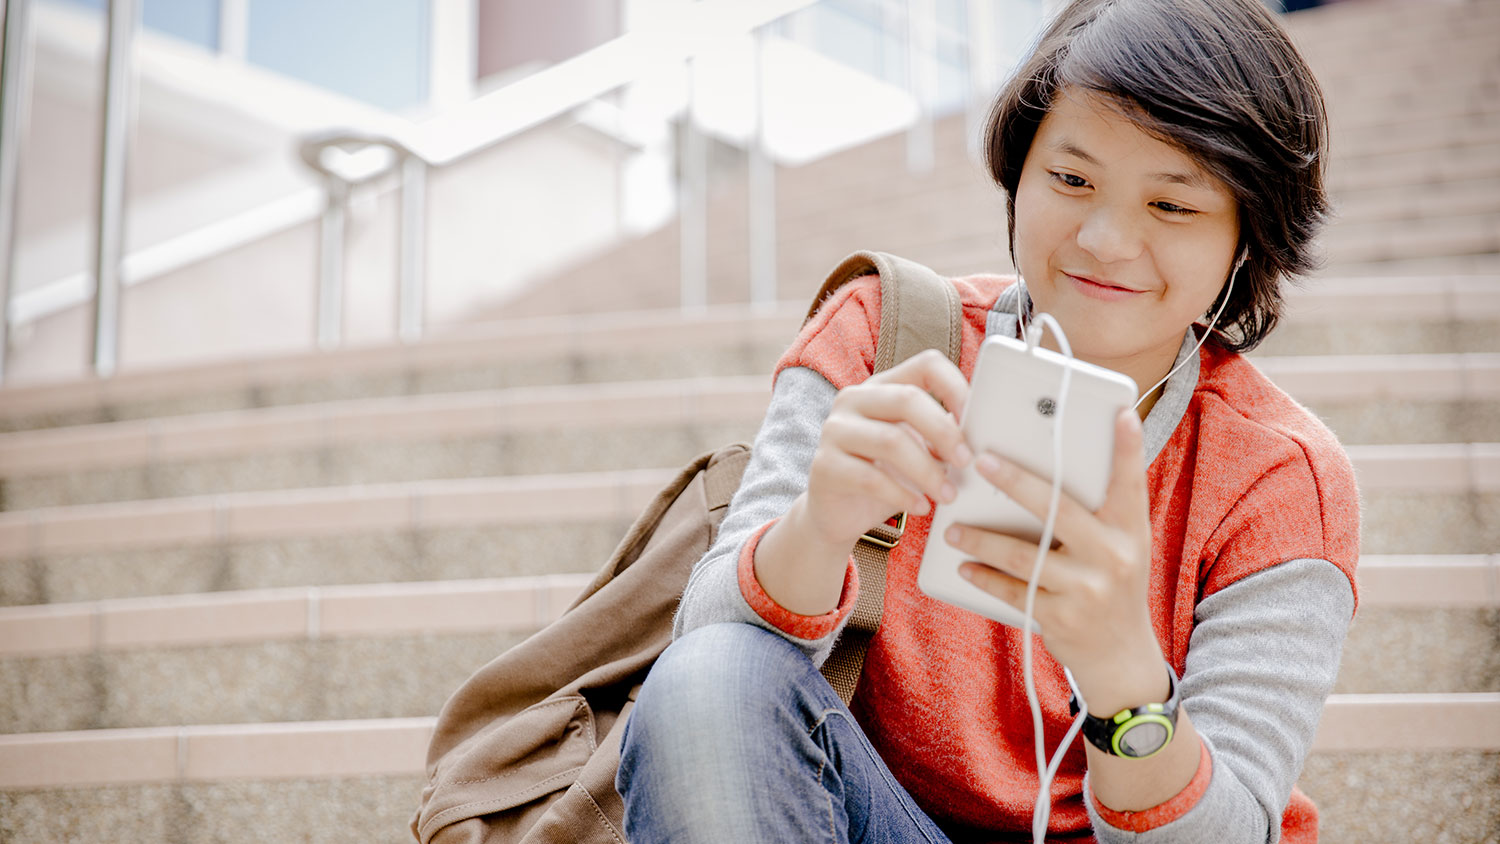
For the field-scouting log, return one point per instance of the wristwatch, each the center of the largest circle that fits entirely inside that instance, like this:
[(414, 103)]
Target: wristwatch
[(1134, 733)]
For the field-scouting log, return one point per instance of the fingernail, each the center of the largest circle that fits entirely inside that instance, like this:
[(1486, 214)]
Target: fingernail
[(948, 493), (963, 454), (966, 573), (953, 535), (990, 464)]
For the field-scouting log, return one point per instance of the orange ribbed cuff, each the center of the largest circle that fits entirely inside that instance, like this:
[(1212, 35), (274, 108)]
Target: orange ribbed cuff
[(1159, 816), (800, 626)]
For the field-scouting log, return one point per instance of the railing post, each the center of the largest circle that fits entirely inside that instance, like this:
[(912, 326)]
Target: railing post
[(921, 52), (330, 306), (234, 28), (981, 57), (15, 100), (762, 193), (411, 307), (692, 206), (110, 232)]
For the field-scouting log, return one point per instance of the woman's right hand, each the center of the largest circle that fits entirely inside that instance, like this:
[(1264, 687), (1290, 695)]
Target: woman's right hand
[(885, 448)]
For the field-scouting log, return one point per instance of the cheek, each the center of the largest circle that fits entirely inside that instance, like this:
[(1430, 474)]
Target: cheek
[(1038, 228), (1200, 267)]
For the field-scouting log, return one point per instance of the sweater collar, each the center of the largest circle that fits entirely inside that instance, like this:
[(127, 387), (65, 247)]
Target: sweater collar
[(1168, 410)]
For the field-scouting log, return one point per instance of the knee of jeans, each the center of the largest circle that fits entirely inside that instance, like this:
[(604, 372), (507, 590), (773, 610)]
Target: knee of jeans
[(716, 673)]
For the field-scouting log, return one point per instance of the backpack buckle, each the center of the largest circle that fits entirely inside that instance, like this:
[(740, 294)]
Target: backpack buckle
[(888, 533)]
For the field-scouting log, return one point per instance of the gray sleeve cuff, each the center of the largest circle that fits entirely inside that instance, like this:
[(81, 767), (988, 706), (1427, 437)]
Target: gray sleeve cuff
[(777, 474), (1262, 659)]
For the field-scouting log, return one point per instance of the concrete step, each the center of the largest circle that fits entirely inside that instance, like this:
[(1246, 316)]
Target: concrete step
[(521, 431), (349, 651), (1453, 265), (1400, 314), (591, 348), (1327, 316), (957, 245), (1348, 26), (1421, 167), (1448, 216), (429, 530), (1335, 23), (971, 219), (228, 657), (1372, 143), (1409, 604), (574, 428), (840, 206), (1404, 795), (1468, 61), (1419, 499), (1459, 234), (337, 781), (1474, 130), (1394, 399), (1356, 209), (962, 191)]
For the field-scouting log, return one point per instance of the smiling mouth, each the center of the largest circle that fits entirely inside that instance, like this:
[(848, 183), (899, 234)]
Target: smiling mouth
[(1102, 286)]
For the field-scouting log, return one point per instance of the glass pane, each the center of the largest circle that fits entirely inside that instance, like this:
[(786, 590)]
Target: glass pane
[(375, 52), (196, 21)]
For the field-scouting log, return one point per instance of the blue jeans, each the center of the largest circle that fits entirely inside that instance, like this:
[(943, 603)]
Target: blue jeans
[(736, 737)]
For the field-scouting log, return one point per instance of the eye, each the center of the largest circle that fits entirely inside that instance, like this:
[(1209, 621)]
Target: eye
[(1068, 179), (1175, 209)]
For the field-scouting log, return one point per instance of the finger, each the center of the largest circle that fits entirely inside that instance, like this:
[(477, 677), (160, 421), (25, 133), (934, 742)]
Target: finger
[(894, 449), (1011, 555), (912, 405), (1127, 499), (1010, 589), (851, 474), (1034, 494), (934, 373)]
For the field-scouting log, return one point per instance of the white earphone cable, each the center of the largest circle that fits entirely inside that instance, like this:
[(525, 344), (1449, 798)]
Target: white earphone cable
[(1042, 811), (1047, 771), (1228, 289)]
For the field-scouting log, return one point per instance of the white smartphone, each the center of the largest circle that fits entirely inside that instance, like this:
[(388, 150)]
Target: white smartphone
[(1011, 411)]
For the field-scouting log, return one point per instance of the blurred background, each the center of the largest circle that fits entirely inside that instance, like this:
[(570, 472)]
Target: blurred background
[(342, 340), (536, 134)]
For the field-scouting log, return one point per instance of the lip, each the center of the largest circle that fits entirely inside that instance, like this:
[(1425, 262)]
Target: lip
[(1103, 290)]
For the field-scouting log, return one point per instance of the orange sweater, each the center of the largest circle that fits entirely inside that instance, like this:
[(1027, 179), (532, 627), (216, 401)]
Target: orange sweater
[(1247, 480)]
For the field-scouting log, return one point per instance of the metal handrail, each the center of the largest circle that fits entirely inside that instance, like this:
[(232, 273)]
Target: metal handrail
[(15, 96), (513, 110), (483, 123), (346, 160), (109, 240)]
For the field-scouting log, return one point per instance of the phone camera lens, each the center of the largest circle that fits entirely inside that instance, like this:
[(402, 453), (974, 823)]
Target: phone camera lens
[(1046, 406)]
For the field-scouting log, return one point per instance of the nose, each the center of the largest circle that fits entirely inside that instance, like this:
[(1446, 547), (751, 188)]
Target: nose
[(1109, 236)]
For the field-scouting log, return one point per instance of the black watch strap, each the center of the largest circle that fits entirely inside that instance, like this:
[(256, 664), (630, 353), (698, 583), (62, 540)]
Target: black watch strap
[(1134, 733)]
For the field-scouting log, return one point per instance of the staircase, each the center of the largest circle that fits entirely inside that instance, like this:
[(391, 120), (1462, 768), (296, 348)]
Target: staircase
[(233, 596)]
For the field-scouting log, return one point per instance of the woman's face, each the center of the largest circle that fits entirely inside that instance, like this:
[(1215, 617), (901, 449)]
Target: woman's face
[(1124, 239)]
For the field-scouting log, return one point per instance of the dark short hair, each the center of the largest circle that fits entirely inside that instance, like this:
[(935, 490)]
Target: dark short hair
[(1219, 80)]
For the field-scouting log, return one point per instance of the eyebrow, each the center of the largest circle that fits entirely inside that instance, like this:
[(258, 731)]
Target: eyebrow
[(1192, 180)]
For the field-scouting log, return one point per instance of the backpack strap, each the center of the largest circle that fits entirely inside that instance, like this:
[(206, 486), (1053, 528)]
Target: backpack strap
[(919, 310)]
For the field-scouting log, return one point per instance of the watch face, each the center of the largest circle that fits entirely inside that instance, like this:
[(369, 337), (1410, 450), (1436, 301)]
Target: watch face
[(1143, 739)]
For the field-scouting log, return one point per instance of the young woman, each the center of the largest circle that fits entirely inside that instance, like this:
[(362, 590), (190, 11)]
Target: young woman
[(1163, 162)]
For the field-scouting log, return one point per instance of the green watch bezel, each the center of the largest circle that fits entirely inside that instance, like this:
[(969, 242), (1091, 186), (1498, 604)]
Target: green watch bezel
[(1106, 733), (1133, 718)]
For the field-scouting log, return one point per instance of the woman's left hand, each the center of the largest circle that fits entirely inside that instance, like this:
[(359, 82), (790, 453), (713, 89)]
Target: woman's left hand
[(1091, 601)]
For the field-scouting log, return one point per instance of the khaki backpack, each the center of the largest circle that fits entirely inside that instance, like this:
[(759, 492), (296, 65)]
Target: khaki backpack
[(526, 750)]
